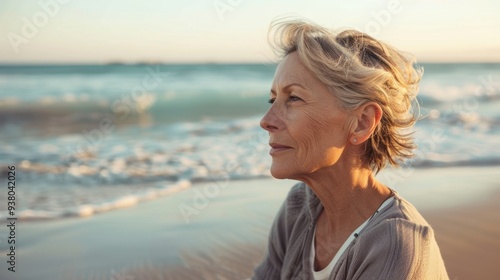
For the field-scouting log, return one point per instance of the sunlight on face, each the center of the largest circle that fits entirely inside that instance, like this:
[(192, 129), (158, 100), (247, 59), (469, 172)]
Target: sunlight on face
[(307, 127)]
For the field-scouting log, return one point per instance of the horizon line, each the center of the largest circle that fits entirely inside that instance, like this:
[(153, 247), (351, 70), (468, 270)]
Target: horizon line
[(128, 63)]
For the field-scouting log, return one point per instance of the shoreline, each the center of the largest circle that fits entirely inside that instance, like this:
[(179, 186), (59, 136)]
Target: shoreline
[(403, 181)]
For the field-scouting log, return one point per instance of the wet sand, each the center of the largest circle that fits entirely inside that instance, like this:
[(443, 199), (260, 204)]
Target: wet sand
[(469, 238)]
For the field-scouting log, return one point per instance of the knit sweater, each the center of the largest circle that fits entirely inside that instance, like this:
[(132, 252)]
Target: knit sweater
[(396, 244)]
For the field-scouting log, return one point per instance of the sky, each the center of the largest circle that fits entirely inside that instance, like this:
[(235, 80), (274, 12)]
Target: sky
[(232, 31)]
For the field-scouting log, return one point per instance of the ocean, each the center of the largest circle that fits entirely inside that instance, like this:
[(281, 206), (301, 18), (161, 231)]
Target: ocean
[(87, 139)]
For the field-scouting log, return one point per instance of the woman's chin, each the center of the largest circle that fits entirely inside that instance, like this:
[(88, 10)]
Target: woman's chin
[(279, 173)]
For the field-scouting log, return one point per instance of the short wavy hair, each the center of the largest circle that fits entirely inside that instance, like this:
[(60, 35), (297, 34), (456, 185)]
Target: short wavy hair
[(358, 69)]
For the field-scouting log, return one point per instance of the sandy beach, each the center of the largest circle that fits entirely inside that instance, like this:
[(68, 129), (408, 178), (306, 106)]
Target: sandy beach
[(469, 238), (226, 237)]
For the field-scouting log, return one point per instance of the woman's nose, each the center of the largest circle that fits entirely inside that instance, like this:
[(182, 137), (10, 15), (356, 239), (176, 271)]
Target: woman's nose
[(270, 121)]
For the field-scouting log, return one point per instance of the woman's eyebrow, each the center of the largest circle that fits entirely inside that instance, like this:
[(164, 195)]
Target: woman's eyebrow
[(288, 86)]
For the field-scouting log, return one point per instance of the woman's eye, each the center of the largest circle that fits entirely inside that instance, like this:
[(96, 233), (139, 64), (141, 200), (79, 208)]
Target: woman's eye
[(291, 98)]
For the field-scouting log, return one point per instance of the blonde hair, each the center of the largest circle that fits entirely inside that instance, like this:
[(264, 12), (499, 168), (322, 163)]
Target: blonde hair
[(358, 69)]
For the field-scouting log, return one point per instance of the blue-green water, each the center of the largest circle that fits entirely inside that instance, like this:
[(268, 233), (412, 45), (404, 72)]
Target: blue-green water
[(88, 138)]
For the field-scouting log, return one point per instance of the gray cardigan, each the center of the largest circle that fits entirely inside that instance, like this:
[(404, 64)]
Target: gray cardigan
[(396, 244)]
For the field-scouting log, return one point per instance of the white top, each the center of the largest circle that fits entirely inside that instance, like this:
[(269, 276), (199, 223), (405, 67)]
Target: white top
[(325, 272)]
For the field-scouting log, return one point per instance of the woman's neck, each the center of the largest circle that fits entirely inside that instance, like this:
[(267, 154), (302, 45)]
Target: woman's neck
[(349, 197)]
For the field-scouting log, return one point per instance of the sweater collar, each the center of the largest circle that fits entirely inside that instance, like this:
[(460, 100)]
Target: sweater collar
[(313, 204)]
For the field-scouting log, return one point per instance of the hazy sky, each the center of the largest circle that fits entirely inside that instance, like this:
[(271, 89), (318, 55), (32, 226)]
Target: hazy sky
[(234, 30)]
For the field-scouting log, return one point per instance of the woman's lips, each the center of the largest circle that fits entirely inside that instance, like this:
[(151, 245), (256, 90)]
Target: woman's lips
[(277, 148)]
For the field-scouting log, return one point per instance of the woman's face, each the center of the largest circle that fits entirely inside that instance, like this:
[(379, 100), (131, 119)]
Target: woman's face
[(308, 130)]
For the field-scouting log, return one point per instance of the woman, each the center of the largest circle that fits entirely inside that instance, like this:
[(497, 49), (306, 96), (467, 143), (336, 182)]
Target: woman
[(339, 103)]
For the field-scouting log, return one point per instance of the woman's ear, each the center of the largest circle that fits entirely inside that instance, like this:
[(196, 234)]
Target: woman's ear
[(368, 116)]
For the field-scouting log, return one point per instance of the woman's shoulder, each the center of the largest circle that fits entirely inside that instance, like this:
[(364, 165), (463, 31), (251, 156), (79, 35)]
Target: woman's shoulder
[(399, 217), (403, 210), (398, 241), (399, 222)]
